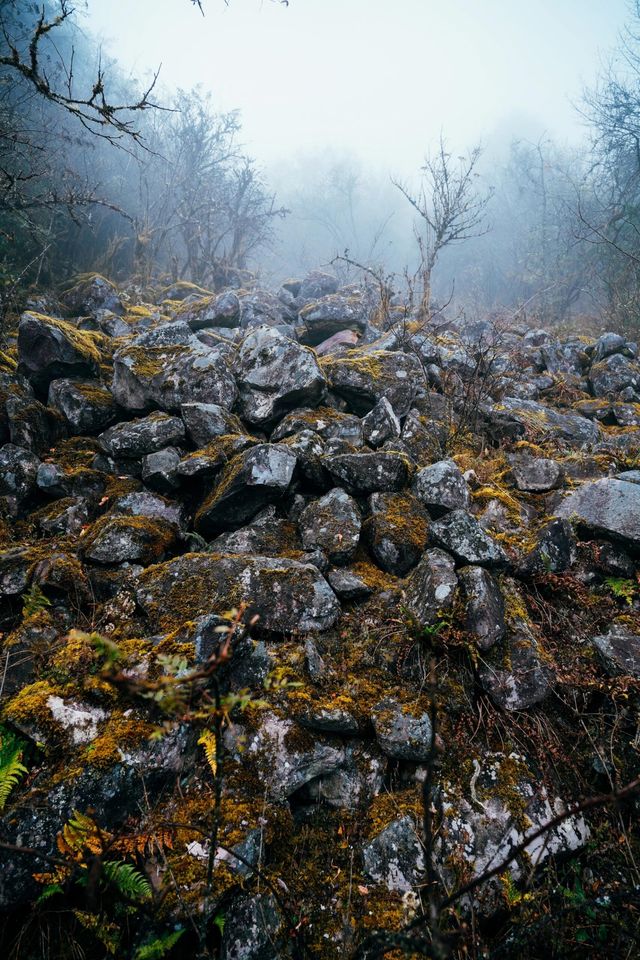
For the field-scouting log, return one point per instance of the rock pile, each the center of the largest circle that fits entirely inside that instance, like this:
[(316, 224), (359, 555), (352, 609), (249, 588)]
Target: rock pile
[(382, 508)]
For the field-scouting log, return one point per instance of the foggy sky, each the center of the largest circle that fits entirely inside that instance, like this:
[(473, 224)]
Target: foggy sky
[(374, 78)]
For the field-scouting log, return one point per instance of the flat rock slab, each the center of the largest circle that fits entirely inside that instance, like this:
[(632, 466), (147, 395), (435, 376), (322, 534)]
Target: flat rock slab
[(610, 507), (287, 595)]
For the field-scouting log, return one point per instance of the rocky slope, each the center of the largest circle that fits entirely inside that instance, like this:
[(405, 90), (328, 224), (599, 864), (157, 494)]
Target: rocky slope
[(268, 561)]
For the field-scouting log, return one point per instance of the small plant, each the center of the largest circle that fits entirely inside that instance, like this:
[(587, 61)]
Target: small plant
[(34, 601), (11, 767), (622, 589)]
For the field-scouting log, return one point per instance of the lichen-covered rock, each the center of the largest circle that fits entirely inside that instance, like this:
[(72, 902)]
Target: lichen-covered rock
[(18, 472), (267, 535), (513, 417), (348, 585), (486, 818), (615, 374), (136, 438), (355, 783), (147, 376), (516, 676), (33, 425), (364, 378), (86, 405), (395, 857), (127, 539), (460, 534), (535, 474), (159, 470), (554, 550), (431, 587), (607, 507), (619, 650), (206, 421), (322, 318), (275, 375), (484, 606), (286, 595), (364, 473), (220, 311), (327, 423), (441, 487), (381, 424), (252, 930), (402, 733), (333, 524), (145, 504), (395, 531), (49, 349), (252, 480), (90, 294)]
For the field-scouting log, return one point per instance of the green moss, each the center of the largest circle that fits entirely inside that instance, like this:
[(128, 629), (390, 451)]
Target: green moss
[(87, 343)]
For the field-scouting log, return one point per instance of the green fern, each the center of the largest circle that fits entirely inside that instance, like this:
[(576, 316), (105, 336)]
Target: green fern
[(623, 589), (51, 890), (33, 601), (128, 881), (158, 948), (11, 768)]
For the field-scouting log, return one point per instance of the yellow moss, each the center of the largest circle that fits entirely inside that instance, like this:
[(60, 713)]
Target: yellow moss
[(30, 705), (150, 362), (388, 807), (404, 516), (7, 361), (497, 493), (373, 576), (96, 394), (366, 364), (88, 343), (158, 535), (122, 732)]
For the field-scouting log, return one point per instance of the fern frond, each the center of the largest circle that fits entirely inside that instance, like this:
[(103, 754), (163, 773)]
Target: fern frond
[(106, 932), (158, 948), (127, 880), (11, 767), (209, 743), (50, 891), (80, 834)]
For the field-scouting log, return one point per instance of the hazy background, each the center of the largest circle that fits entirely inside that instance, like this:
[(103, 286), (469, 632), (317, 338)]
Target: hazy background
[(374, 78)]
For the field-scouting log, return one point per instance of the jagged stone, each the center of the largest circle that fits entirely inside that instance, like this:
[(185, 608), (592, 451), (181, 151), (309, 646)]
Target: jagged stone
[(619, 650), (333, 313), (554, 551), (400, 733), (612, 376), (460, 534), (252, 480), (274, 375), (395, 857), (333, 524), (252, 930), (86, 405), (118, 539), (355, 783), (441, 487), (49, 349), (525, 681), (484, 606), (395, 531), (365, 378), (206, 421), (348, 585), (91, 294), (137, 438), (606, 507), (18, 472), (364, 473), (381, 424), (535, 474), (431, 587), (159, 470), (327, 423), (285, 594)]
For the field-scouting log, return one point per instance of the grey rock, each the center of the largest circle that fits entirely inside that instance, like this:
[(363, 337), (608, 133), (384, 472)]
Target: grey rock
[(145, 377), (381, 424), (220, 311), (90, 295), (206, 421), (460, 534), (48, 350), (252, 930), (331, 314), (365, 378), (86, 405), (555, 550), (607, 507), (286, 595), (146, 504), (612, 376), (355, 783), (327, 423), (333, 524), (267, 534), (348, 585), (136, 438), (159, 470), (484, 613), (275, 375), (606, 345), (316, 284), (401, 735), (535, 474), (526, 680), (18, 472), (619, 650), (514, 417), (395, 531), (252, 480), (441, 487), (118, 539), (431, 587), (364, 473), (52, 481), (395, 857)]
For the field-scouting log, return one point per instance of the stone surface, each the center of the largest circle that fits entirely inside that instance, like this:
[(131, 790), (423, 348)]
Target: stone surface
[(484, 606), (365, 378), (431, 587), (333, 524), (607, 507), (401, 733), (252, 480), (137, 438), (535, 474), (460, 534), (364, 473), (49, 349), (441, 487), (274, 375), (381, 424), (619, 650), (286, 595), (394, 858), (86, 405), (395, 531)]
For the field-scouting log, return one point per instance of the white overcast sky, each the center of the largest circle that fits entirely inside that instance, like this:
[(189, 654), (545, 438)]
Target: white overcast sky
[(374, 78)]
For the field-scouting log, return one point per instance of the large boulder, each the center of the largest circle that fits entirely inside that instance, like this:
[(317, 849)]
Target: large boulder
[(460, 534), (364, 473), (332, 524), (252, 480), (364, 378), (513, 417), (275, 375), (136, 438), (395, 531), (441, 487), (535, 474), (607, 507), (86, 405), (321, 319), (148, 375), (615, 374), (49, 349), (395, 857), (431, 587), (206, 421), (287, 595)]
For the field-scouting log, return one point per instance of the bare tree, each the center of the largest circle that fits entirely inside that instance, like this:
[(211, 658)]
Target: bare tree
[(449, 206)]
